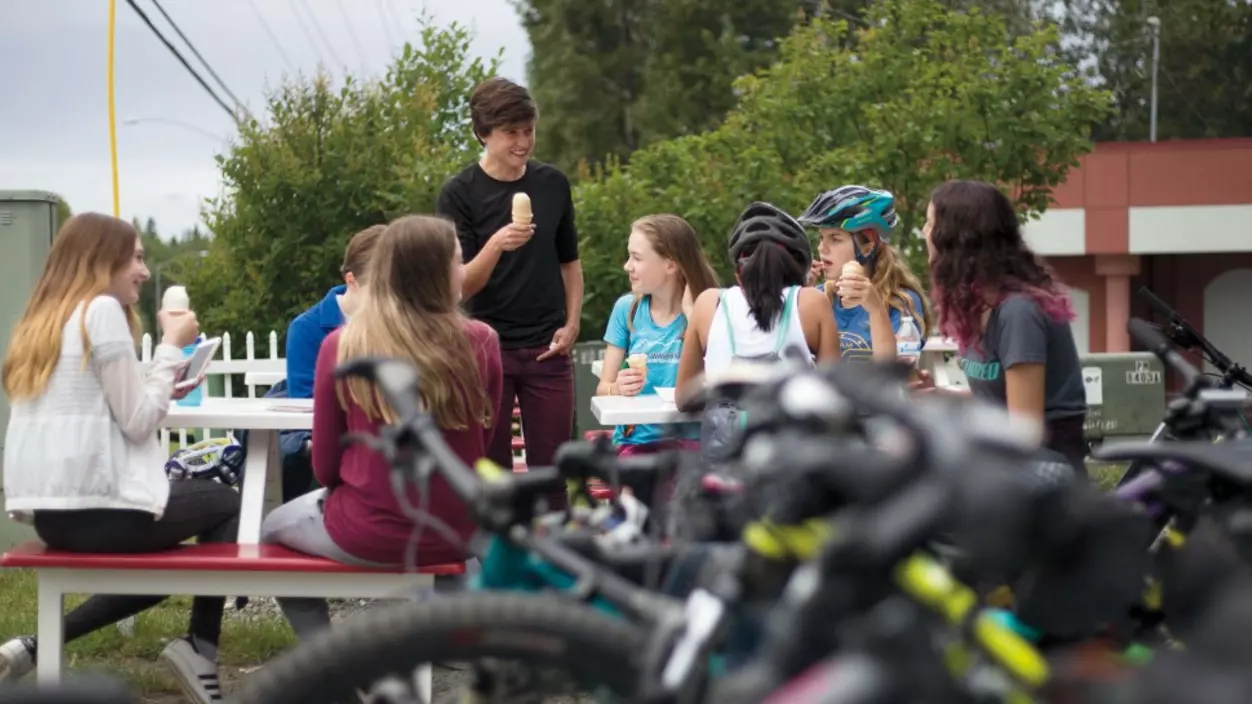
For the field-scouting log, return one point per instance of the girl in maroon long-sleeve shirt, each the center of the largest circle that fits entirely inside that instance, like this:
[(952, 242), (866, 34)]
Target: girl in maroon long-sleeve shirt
[(410, 312)]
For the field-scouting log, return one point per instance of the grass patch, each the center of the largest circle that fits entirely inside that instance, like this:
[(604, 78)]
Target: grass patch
[(248, 640), (1106, 474)]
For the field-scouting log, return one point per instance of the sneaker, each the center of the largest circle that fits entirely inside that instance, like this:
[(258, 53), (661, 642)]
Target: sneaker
[(196, 674), (17, 658)]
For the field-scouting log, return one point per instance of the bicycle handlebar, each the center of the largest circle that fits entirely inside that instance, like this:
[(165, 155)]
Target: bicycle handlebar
[(1158, 344), (1184, 335)]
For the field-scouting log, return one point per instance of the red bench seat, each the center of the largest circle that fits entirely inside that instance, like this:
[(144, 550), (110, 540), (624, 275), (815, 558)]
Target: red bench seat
[(217, 569), (218, 557)]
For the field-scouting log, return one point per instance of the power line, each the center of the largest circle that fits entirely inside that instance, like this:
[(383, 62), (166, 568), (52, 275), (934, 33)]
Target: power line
[(273, 38), (317, 27), (304, 29), (352, 35), (396, 15), (173, 50), (382, 12), (220, 82)]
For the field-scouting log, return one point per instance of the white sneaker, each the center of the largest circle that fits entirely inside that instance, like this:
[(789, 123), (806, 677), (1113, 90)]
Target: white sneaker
[(196, 674), (17, 658)]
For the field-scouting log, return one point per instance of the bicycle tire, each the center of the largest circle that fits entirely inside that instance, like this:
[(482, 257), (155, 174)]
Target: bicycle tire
[(541, 630)]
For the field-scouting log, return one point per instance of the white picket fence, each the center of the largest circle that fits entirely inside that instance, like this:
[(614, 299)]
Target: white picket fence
[(259, 372)]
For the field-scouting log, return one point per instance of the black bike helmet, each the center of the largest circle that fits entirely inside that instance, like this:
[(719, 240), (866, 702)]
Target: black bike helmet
[(854, 209), (762, 222)]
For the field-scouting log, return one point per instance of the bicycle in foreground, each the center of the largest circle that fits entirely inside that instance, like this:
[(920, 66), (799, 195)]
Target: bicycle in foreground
[(841, 510)]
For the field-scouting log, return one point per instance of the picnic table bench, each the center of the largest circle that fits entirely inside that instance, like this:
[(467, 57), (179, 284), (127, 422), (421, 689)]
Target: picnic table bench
[(247, 568)]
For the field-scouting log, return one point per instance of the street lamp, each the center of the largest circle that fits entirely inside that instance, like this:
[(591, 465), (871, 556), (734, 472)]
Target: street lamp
[(1155, 23), (156, 289), (175, 123)]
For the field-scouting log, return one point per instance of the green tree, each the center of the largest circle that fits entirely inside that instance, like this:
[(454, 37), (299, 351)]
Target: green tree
[(916, 95), (614, 76), (64, 212), (327, 162), (611, 77), (1204, 78)]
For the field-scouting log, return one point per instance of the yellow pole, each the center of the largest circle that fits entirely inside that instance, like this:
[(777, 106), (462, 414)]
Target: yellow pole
[(117, 207)]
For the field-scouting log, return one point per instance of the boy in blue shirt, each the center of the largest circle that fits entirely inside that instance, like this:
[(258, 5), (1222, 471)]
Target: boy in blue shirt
[(304, 338)]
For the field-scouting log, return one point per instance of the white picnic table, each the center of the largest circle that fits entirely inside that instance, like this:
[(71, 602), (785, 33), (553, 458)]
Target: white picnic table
[(635, 410), (262, 418), (946, 372)]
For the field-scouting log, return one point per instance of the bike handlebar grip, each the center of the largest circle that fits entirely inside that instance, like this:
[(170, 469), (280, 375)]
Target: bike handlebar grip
[(1149, 336)]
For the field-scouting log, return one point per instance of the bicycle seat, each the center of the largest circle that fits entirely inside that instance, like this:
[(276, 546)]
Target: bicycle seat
[(1231, 460)]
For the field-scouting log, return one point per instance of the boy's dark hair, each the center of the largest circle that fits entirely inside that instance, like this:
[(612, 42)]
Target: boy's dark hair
[(356, 257), (499, 102)]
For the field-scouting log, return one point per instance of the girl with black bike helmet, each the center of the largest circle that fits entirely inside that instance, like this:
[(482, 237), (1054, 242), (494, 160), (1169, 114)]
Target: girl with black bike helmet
[(866, 281), (770, 311)]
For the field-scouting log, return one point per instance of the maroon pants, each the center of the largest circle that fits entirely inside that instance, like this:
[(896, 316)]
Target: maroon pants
[(545, 394)]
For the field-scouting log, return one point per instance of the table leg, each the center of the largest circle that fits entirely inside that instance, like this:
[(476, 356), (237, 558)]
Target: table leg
[(50, 629), (262, 458)]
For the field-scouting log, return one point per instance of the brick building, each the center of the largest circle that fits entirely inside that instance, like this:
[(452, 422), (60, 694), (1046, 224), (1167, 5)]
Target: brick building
[(1174, 216)]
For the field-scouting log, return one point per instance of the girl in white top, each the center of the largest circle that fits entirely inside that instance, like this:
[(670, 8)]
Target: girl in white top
[(770, 311), (81, 457)]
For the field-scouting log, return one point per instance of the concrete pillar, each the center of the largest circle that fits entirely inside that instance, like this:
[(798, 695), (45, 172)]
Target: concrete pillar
[(1116, 270)]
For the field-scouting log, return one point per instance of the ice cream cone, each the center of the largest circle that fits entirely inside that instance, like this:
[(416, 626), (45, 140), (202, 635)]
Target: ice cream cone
[(638, 362), (849, 268), (521, 209)]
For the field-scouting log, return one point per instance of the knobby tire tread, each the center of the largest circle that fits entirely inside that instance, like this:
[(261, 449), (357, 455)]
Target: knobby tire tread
[(545, 630)]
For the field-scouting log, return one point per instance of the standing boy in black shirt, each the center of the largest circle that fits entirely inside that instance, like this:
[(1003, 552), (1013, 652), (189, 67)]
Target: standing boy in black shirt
[(524, 280)]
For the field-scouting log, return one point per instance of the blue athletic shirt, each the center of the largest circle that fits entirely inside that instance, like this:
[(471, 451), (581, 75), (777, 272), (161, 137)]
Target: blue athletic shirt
[(854, 339), (663, 346)]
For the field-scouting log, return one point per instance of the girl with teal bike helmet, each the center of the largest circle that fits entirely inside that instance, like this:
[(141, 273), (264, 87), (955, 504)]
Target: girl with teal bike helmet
[(865, 279)]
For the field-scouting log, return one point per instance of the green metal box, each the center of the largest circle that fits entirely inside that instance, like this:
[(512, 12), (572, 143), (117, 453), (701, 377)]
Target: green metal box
[(28, 220), (1125, 394), (585, 382)]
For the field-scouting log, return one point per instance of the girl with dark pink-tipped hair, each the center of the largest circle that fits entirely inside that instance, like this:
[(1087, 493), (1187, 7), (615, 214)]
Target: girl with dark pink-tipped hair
[(1007, 311)]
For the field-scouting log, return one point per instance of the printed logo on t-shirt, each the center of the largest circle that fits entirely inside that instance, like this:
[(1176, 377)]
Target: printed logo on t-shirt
[(982, 371), (854, 347)]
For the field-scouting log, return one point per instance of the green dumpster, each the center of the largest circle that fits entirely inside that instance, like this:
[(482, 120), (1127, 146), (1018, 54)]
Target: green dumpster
[(28, 220), (1125, 394), (585, 382)]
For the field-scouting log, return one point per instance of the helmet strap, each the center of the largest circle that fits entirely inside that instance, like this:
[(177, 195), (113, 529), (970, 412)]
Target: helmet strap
[(866, 259)]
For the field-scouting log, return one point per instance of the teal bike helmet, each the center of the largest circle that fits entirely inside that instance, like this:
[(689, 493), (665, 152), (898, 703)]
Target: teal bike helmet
[(854, 209)]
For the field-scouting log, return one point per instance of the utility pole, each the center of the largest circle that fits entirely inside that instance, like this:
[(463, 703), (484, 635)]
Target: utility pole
[(1155, 23)]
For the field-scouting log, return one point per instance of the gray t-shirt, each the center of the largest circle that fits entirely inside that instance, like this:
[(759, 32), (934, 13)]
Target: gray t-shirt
[(1018, 332)]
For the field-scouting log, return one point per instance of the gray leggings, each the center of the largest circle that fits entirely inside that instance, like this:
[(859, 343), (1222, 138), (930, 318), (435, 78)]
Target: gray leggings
[(298, 524)]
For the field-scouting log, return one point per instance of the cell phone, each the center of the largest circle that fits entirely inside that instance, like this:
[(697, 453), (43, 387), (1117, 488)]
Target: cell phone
[(198, 363)]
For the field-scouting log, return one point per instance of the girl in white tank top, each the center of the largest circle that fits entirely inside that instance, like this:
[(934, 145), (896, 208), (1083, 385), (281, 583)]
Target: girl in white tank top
[(735, 335)]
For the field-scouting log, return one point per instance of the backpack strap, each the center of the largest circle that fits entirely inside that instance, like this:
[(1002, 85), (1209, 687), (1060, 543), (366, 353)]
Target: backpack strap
[(730, 329), (784, 325)]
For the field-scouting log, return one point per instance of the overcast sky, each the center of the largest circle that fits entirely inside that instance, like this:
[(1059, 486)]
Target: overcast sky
[(53, 108)]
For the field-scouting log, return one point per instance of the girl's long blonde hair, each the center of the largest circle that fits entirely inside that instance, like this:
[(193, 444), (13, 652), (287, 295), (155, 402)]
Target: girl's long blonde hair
[(88, 250), (674, 238), (893, 280), (411, 312)]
